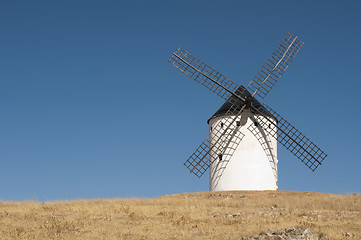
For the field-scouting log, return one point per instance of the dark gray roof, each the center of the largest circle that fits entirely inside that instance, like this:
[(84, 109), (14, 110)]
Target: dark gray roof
[(243, 92)]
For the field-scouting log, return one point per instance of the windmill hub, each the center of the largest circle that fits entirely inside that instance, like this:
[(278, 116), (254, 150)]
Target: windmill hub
[(241, 150), (248, 102)]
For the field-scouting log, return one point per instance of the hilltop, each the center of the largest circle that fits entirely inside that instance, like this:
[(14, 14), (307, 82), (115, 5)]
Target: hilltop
[(208, 215)]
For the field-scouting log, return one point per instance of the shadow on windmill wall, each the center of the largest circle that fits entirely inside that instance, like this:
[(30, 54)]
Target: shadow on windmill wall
[(266, 144), (218, 166)]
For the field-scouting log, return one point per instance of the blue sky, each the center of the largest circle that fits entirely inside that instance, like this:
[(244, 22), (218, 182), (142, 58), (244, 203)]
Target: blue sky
[(91, 108)]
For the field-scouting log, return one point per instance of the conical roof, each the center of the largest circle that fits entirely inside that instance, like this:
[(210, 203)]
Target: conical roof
[(243, 92)]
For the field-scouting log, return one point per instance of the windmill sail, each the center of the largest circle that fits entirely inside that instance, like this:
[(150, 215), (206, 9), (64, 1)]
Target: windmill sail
[(225, 141), (297, 143), (275, 66), (203, 74), (198, 162)]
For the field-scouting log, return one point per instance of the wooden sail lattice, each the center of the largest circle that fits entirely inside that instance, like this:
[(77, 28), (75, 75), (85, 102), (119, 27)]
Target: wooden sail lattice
[(275, 66)]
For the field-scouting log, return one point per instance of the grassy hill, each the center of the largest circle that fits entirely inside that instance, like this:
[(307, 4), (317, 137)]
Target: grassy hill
[(208, 215)]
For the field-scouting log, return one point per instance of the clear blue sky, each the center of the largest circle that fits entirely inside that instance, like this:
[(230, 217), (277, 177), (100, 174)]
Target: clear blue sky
[(91, 108)]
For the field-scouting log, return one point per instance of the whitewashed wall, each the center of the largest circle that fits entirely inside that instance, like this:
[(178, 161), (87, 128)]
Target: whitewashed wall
[(253, 165)]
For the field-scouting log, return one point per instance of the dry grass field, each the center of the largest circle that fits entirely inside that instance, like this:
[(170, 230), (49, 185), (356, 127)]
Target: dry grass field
[(210, 215)]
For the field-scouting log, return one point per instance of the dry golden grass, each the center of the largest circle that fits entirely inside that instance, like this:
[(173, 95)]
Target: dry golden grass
[(212, 215)]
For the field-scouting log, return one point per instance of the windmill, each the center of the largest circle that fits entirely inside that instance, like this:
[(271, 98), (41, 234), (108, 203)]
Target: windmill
[(241, 149)]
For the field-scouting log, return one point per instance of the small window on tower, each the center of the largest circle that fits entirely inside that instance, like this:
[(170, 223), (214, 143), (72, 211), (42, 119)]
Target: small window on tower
[(269, 125), (238, 123), (256, 123), (220, 157), (222, 124)]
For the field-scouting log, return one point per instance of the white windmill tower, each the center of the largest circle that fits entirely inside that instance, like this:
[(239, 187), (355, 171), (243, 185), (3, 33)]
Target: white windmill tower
[(250, 159), (241, 150)]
